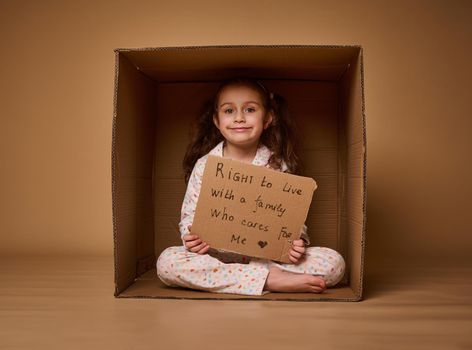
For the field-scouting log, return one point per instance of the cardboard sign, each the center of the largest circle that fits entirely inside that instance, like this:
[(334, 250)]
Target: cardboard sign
[(251, 210)]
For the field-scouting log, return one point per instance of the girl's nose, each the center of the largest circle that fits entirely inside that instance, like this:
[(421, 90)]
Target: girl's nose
[(239, 117)]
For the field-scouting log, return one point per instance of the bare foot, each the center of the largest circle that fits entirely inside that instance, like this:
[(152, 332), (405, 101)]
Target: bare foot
[(284, 281)]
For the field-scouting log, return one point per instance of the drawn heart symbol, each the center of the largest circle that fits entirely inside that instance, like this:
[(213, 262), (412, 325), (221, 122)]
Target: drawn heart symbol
[(262, 244)]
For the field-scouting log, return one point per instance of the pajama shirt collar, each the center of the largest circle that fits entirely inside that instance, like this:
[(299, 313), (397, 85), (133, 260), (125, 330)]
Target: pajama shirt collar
[(262, 155)]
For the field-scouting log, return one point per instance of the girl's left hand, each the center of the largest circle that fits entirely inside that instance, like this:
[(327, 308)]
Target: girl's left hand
[(297, 251)]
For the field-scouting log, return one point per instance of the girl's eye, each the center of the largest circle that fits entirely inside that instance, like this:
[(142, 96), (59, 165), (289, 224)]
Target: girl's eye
[(228, 110), (250, 109)]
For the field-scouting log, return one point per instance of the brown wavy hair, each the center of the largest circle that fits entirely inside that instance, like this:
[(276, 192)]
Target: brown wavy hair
[(279, 137)]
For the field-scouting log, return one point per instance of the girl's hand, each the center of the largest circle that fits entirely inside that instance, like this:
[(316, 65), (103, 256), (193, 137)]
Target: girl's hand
[(195, 244), (297, 251)]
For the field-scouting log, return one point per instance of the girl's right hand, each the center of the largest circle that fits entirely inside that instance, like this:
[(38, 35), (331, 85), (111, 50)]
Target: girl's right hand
[(195, 244)]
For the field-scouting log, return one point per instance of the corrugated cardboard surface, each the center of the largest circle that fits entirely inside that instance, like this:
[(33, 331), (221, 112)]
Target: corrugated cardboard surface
[(250, 209), (132, 159), (327, 105)]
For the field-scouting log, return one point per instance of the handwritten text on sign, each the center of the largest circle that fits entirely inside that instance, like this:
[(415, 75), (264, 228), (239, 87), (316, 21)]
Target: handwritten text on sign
[(250, 209)]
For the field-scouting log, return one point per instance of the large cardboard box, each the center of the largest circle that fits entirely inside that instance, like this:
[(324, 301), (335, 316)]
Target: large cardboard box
[(159, 92)]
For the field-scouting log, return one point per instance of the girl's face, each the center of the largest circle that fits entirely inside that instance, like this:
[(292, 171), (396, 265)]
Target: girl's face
[(241, 116)]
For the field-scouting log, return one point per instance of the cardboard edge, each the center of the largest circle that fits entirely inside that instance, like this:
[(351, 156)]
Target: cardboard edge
[(315, 186), (311, 300), (113, 170), (364, 199), (206, 47)]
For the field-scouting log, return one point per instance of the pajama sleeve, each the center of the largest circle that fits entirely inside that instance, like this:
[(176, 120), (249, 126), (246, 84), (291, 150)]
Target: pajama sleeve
[(304, 236), (191, 198)]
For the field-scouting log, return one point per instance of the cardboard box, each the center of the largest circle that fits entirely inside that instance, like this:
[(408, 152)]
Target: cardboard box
[(159, 91)]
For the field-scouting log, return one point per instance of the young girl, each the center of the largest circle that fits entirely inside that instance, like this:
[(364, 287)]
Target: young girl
[(244, 122)]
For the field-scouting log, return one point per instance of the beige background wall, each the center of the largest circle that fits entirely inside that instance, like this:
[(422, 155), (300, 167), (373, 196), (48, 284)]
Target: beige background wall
[(56, 92)]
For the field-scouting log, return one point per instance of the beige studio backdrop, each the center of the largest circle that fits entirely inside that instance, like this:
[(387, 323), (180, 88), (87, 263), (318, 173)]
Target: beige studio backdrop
[(56, 98)]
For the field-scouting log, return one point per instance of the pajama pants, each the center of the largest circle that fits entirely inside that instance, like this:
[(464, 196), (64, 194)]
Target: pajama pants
[(225, 272)]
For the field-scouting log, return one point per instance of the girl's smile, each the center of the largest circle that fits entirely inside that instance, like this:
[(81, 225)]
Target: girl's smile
[(240, 129)]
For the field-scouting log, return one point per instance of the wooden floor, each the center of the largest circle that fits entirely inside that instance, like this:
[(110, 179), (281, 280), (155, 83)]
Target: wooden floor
[(68, 303)]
